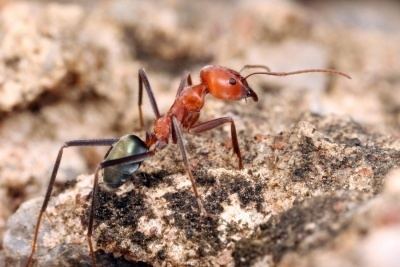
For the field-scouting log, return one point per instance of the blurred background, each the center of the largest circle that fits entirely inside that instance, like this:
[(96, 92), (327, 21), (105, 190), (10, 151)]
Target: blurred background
[(68, 70)]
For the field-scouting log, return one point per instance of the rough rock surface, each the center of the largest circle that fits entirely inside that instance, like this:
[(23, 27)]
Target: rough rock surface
[(68, 70), (299, 190), (370, 239)]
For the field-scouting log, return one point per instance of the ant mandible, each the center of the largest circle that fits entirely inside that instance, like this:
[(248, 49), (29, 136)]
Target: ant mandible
[(127, 152)]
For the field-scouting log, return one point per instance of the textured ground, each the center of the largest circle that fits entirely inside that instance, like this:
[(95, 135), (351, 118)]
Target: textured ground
[(299, 190), (314, 188)]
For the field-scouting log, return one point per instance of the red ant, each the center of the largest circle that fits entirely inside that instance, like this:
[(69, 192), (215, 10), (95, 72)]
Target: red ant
[(127, 152)]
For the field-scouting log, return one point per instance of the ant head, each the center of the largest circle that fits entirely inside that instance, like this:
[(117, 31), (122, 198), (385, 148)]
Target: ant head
[(227, 84)]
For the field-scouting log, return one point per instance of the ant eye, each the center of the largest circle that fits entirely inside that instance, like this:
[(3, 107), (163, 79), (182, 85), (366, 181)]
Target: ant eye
[(232, 81)]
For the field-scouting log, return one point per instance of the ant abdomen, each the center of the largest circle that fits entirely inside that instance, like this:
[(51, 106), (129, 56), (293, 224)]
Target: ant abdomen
[(128, 145)]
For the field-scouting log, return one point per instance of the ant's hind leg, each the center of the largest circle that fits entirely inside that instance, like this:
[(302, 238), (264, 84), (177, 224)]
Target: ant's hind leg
[(142, 78), (94, 142), (208, 125), (102, 165)]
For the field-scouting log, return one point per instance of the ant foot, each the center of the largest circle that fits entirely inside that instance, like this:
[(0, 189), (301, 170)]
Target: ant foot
[(204, 213)]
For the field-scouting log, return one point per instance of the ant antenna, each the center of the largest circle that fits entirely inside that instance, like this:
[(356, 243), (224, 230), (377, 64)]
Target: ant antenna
[(300, 72), (255, 67)]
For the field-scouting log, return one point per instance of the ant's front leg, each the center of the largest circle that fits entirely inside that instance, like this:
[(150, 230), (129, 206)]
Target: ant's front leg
[(208, 125), (142, 78), (93, 142)]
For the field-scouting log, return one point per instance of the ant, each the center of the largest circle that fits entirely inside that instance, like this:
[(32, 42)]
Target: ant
[(126, 153)]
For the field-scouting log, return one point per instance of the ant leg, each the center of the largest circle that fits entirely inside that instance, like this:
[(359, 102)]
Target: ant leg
[(178, 133), (173, 135), (129, 159), (255, 67), (208, 125), (102, 165), (142, 77), (186, 80), (189, 80), (93, 142), (90, 226)]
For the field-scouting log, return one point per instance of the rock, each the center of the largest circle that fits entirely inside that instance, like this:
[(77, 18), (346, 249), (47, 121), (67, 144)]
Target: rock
[(48, 50), (299, 190), (34, 57), (172, 42), (56, 69), (370, 239), (264, 23), (68, 70), (4, 212), (363, 44)]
